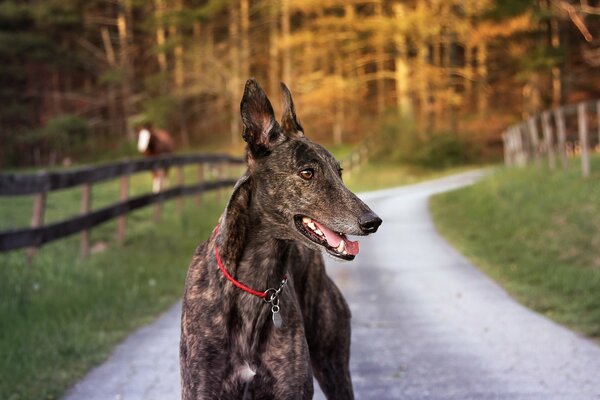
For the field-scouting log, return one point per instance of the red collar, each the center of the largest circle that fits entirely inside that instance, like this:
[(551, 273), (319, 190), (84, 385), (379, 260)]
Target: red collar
[(272, 293)]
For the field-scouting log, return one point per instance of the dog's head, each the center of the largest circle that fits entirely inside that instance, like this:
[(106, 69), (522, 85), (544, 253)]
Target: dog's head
[(297, 184)]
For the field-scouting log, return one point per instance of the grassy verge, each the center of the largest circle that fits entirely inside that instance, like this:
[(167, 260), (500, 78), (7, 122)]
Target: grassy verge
[(537, 233), (384, 175), (62, 315)]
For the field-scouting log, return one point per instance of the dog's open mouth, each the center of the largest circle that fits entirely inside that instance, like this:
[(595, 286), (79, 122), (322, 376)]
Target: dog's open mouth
[(336, 243)]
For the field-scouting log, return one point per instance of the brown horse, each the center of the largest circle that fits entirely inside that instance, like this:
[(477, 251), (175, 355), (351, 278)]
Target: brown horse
[(152, 143)]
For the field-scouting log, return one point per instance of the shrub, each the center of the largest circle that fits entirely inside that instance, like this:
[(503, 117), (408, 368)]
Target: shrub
[(63, 136), (400, 141), (66, 133), (445, 150)]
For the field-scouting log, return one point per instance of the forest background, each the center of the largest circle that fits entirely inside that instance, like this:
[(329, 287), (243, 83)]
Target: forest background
[(439, 78)]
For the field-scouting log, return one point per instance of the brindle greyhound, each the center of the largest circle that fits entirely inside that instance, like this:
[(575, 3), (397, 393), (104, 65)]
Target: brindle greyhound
[(238, 342)]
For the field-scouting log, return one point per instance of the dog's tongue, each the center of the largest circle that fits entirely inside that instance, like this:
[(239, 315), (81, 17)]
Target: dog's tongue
[(334, 239)]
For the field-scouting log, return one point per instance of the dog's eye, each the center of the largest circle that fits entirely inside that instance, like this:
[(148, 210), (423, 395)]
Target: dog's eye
[(307, 173)]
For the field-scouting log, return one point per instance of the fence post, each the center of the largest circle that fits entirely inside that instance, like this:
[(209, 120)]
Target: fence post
[(548, 142), (583, 139), (509, 148), (559, 118), (524, 144), (506, 149), (200, 178), (521, 149), (356, 160), (514, 147), (535, 139), (510, 137), (598, 121), (123, 196), (220, 177), (180, 180), (37, 220), (86, 206), (158, 207), (364, 154), (232, 170)]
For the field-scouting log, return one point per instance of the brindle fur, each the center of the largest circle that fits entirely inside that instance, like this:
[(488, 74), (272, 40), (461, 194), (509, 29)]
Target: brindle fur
[(226, 332)]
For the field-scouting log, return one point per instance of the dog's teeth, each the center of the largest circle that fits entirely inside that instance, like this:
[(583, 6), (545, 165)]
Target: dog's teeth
[(318, 232), (344, 253), (340, 248), (311, 226), (306, 220)]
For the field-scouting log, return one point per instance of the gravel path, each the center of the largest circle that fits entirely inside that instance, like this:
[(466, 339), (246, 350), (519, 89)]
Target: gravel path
[(426, 325)]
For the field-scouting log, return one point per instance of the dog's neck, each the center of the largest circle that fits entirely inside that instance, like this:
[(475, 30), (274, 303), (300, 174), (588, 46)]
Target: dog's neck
[(253, 257), (250, 252), (264, 259)]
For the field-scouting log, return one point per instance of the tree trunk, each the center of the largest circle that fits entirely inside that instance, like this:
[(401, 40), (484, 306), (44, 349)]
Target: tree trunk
[(482, 99), (450, 81), (338, 125), (380, 62), (214, 117), (273, 46), (421, 77), (556, 72), (56, 93), (285, 36), (124, 15), (161, 34), (111, 96), (468, 78), (403, 103), (245, 40), (179, 77), (197, 51), (402, 89), (439, 82), (355, 73), (234, 81)]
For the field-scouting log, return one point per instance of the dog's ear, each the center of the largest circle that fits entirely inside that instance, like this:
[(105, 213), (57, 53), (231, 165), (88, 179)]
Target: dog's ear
[(290, 124), (261, 131)]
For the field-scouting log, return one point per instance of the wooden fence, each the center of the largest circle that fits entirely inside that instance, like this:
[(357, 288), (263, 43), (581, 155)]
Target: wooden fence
[(358, 157), (555, 134), (39, 184)]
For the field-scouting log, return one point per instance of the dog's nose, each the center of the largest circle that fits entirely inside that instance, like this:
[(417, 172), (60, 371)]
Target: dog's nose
[(369, 222)]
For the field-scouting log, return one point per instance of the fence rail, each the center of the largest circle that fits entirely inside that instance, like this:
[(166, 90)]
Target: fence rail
[(39, 184), (554, 134), (24, 184)]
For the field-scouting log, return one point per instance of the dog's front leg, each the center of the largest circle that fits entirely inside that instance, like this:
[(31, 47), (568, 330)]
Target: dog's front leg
[(330, 345), (327, 326)]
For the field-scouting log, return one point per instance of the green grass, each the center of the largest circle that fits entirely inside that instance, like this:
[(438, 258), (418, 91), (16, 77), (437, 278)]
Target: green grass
[(537, 233), (380, 175), (62, 315)]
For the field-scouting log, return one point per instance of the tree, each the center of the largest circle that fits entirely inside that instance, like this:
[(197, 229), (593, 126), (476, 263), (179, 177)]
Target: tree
[(458, 65)]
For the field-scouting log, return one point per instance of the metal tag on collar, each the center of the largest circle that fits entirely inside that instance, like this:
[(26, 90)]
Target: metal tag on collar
[(277, 321), (272, 297)]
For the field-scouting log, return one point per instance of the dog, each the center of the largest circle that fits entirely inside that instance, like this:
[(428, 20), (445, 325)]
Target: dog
[(260, 315), (153, 143)]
